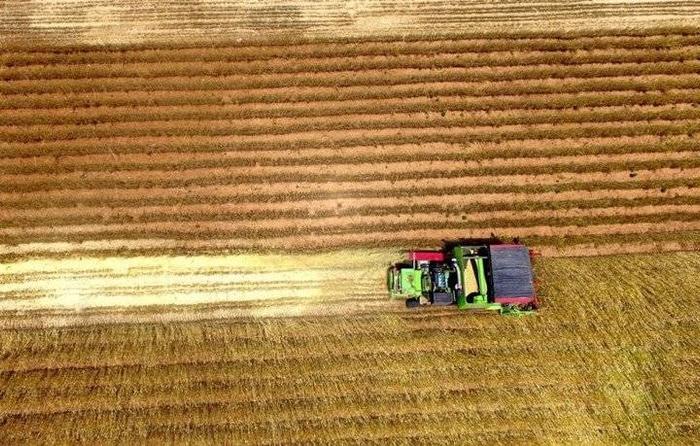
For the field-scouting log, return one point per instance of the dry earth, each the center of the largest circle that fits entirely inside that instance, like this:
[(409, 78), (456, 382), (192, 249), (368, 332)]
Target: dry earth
[(198, 202)]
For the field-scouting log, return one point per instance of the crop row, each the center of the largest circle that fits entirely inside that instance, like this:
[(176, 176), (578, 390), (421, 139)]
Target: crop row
[(248, 53), (36, 103), (386, 205), (389, 234), (526, 222), (40, 358), (378, 76), (419, 133), (289, 127), (353, 63), (303, 190), (344, 155), (469, 172), (420, 104)]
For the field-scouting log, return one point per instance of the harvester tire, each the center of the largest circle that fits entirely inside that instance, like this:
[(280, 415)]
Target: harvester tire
[(412, 303)]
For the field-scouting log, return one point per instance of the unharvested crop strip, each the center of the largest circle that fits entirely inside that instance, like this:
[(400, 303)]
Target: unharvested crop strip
[(22, 60), (292, 422), (159, 376), (133, 356), (219, 403), (189, 375), (228, 330), (190, 334), (408, 409), (401, 429), (610, 244), (83, 379), (230, 360)]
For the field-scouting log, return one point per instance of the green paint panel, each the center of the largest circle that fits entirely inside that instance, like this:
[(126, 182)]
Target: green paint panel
[(411, 282)]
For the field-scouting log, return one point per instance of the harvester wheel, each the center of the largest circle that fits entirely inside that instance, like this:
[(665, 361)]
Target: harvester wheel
[(412, 303)]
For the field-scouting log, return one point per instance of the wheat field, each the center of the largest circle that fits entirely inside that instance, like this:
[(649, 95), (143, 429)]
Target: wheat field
[(198, 204)]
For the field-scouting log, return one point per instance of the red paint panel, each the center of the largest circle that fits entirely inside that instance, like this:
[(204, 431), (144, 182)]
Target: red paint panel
[(432, 256)]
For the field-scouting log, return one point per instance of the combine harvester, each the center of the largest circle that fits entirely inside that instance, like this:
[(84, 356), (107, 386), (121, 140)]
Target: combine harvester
[(473, 275)]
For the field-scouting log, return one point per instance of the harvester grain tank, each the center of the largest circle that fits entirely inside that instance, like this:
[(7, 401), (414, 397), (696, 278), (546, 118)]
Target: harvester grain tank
[(479, 276)]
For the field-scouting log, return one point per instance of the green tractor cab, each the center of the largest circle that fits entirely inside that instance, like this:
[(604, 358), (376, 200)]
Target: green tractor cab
[(471, 276)]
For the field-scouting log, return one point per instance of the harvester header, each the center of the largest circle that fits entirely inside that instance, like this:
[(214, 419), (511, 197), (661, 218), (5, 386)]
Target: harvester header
[(471, 275)]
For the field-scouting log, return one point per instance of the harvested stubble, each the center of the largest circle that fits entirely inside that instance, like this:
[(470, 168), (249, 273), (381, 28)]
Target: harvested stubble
[(592, 367), (71, 23)]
